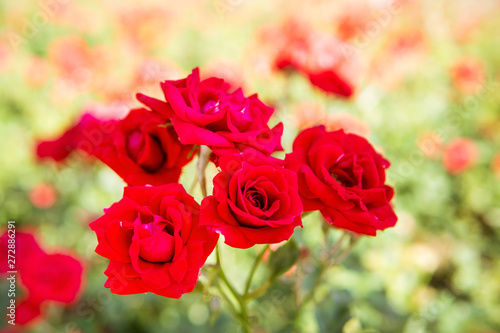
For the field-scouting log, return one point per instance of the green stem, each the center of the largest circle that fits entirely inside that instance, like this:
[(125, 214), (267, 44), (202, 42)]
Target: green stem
[(222, 275), (232, 307), (324, 268), (242, 316), (259, 291), (256, 263)]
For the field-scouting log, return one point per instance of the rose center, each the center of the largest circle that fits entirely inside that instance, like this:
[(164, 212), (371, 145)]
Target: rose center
[(146, 150), (256, 198), (160, 245), (210, 107), (343, 177)]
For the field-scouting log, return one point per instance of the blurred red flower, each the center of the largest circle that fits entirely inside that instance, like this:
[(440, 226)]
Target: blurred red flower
[(329, 63), (353, 20), (459, 155), (83, 136), (45, 277), (468, 75), (43, 195), (143, 148), (70, 54)]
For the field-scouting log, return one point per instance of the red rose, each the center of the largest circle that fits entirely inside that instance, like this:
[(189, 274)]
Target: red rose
[(144, 150), (154, 241), (205, 113), (342, 175), (329, 63), (255, 201), (26, 248), (45, 277), (79, 137), (55, 277)]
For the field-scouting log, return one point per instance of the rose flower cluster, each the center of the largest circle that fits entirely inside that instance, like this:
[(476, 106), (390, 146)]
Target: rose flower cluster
[(157, 237)]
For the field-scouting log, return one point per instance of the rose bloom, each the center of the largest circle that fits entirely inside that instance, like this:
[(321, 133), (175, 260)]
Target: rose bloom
[(327, 62), (44, 277), (205, 113), (77, 137), (459, 155), (255, 201), (342, 176), (288, 43), (143, 149), (332, 65), (154, 241)]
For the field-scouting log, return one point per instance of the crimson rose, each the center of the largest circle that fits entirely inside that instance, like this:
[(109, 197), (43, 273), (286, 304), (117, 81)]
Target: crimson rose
[(205, 113), (255, 201), (144, 150), (342, 175), (154, 241)]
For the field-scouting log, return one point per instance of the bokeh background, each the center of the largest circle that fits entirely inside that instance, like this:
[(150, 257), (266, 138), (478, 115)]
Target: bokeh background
[(426, 76)]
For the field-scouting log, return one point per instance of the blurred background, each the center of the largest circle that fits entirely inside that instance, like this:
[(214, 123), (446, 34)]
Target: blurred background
[(425, 81)]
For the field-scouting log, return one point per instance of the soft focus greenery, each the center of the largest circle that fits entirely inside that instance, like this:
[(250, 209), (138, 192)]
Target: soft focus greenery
[(438, 270)]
